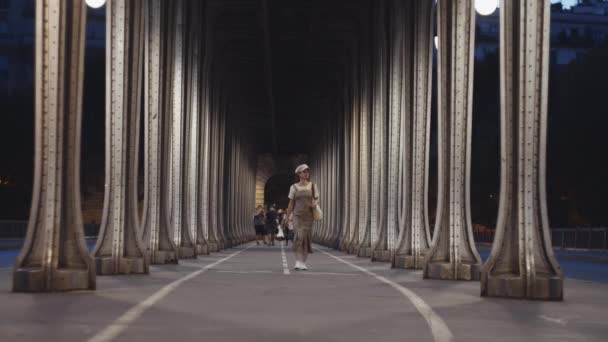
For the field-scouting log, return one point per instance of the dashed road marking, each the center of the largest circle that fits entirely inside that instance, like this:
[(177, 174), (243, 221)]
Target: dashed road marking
[(244, 272), (284, 257), (329, 273), (559, 321)]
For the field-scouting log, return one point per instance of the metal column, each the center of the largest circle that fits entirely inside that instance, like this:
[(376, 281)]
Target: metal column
[(453, 254), (119, 248), (522, 264), (415, 238), (54, 256)]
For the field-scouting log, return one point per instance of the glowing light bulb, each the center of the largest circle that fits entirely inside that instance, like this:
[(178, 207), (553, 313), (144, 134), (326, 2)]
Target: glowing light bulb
[(486, 7), (95, 3)]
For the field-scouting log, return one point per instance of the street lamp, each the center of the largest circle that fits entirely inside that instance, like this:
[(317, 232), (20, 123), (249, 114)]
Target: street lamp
[(486, 7), (95, 3)]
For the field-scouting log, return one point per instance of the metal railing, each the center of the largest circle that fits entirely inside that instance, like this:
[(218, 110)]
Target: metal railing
[(16, 229), (583, 238)]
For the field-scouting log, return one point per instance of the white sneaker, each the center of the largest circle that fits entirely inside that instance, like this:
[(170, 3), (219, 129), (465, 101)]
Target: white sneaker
[(303, 267), (297, 267)]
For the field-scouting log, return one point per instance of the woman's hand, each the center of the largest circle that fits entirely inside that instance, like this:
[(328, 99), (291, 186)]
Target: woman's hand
[(314, 203)]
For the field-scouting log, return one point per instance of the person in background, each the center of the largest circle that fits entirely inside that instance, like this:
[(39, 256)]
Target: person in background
[(258, 223), (281, 226), (303, 197), (271, 224)]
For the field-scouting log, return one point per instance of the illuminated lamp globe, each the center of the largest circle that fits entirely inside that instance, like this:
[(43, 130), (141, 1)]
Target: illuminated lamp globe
[(95, 3), (486, 7)]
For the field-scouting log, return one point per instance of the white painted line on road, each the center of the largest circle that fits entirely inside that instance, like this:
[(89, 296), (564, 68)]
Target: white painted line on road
[(122, 322), (440, 330), (284, 257), (245, 272), (560, 321), (328, 273)]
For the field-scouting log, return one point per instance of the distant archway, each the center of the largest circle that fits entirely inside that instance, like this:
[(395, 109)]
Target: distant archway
[(277, 190), (271, 165)]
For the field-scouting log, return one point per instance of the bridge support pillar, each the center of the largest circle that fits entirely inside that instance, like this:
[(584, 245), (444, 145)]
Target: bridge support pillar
[(181, 231), (522, 264), (379, 234), (364, 156), (54, 256), (119, 248), (452, 254), (155, 224), (414, 239)]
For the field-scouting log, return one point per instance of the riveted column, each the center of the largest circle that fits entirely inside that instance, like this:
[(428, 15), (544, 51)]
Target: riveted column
[(214, 243), (54, 256), (380, 134), (522, 264), (352, 169), (119, 248), (179, 158), (192, 58), (364, 166), (396, 116), (453, 254), (231, 190), (203, 236), (344, 161), (414, 239), (334, 187), (221, 189), (155, 223)]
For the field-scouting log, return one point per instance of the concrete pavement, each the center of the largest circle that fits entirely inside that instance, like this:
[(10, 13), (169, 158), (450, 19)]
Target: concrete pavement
[(245, 294)]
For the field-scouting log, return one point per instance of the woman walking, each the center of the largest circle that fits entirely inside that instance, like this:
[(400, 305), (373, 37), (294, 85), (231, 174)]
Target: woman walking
[(303, 197), (258, 222)]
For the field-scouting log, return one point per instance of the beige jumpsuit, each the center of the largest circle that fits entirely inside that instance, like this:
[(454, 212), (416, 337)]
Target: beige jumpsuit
[(303, 218)]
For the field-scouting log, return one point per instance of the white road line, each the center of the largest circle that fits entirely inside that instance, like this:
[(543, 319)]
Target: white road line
[(244, 272), (328, 273), (440, 330), (560, 321), (122, 322), (284, 257)]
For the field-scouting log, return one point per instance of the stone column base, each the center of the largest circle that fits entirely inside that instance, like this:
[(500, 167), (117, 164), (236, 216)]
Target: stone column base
[(105, 266), (186, 252), (202, 249), (33, 280), (445, 271), (381, 256), (514, 286), (343, 247), (407, 262), (213, 247), (164, 257), (365, 252), (353, 249)]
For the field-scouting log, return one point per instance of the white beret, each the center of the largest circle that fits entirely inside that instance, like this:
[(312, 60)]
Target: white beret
[(301, 168)]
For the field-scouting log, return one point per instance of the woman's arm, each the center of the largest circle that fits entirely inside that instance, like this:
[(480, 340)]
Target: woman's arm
[(315, 200), (289, 210)]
